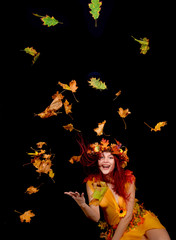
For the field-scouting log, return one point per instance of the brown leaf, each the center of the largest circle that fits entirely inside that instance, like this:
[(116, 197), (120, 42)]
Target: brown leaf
[(124, 112), (67, 107)]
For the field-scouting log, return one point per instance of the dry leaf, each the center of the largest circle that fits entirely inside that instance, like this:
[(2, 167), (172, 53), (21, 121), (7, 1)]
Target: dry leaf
[(70, 127), (158, 126), (67, 107), (52, 109), (123, 114), (71, 87), (117, 94), (40, 144), (27, 216), (30, 190), (100, 128), (75, 159)]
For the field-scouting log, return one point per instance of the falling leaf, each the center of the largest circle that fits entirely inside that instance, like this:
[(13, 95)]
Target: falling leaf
[(40, 144), (67, 107), (47, 20), (123, 114), (117, 94), (158, 126), (70, 128), (99, 129), (26, 216), (75, 159), (144, 44), (51, 174), (31, 51), (71, 87), (95, 7), (30, 190), (52, 109), (97, 83)]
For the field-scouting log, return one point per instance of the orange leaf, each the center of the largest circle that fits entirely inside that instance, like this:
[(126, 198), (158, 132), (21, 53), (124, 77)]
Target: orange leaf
[(158, 126), (70, 127), (67, 107), (123, 112), (30, 190), (71, 87), (52, 109), (75, 159), (40, 144), (100, 128), (27, 216)]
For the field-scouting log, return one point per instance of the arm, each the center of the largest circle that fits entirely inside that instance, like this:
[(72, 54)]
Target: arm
[(123, 224), (91, 212)]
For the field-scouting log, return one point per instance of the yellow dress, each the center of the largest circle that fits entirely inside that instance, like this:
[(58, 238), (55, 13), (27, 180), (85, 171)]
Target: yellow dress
[(142, 220)]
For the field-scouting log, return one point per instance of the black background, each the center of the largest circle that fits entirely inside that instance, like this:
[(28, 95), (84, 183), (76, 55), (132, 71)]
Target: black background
[(73, 50)]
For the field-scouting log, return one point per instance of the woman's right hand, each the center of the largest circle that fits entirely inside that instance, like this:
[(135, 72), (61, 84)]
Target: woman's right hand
[(80, 199)]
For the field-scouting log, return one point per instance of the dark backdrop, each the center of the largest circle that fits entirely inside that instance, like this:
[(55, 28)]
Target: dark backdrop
[(76, 50)]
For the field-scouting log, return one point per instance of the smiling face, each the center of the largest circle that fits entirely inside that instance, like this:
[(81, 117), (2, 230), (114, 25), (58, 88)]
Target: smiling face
[(106, 163)]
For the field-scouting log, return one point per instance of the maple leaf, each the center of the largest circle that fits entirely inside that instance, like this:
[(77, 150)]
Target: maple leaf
[(26, 216), (75, 159), (47, 20), (99, 129), (123, 114), (158, 126), (52, 109), (95, 9), (30, 190), (67, 107), (70, 128), (144, 44), (31, 51), (71, 87), (97, 83), (104, 144)]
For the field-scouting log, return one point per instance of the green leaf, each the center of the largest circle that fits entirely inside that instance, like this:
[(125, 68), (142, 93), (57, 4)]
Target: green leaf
[(144, 44), (95, 7), (49, 21), (97, 83)]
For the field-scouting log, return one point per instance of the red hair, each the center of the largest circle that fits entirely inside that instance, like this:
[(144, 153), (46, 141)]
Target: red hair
[(91, 169)]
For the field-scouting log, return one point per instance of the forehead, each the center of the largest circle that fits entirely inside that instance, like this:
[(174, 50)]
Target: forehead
[(107, 154)]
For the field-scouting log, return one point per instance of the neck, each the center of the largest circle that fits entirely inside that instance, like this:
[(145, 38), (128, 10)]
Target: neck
[(108, 178)]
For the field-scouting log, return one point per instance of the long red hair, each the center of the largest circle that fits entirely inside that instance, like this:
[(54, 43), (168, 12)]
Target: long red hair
[(91, 169)]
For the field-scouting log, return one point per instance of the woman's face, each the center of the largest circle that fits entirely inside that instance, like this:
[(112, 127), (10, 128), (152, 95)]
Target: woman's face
[(106, 163)]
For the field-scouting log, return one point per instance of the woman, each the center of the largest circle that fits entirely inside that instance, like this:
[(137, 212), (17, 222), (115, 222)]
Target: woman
[(112, 188)]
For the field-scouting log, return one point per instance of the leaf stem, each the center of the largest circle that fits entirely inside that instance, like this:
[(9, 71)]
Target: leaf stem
[(75, 97), (124, 123), (148, 125), (17, 212)]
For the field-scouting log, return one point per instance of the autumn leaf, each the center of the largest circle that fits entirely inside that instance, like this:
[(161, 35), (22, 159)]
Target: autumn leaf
[(75, 159), (95, 7), (117, 94), (67, 107), (97, 83), (47, 20), (30, 190), (52, 109), (144, 44), (31, 51), (99, 129), (123, 114), (40, 144), (100, 189), (70, 128), (26, 216), (158, 126), (71, 87)]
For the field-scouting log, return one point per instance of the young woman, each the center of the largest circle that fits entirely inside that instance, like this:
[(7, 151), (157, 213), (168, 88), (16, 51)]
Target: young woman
[(112, 188)]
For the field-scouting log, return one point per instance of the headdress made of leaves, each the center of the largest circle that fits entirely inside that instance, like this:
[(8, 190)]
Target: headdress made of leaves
[(114, 148)]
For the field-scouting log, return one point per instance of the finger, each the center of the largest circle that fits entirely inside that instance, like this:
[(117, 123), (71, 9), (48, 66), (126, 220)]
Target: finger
[(82, 195), (77, 194)]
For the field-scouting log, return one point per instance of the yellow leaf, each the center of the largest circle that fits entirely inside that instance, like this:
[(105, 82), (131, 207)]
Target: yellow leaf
[(75, 159), (31, 190), (51, 173), (99, 129)]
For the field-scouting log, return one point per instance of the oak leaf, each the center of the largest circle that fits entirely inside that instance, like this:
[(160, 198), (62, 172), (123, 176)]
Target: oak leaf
[(47, 20), (97, 83), (99, 129)]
